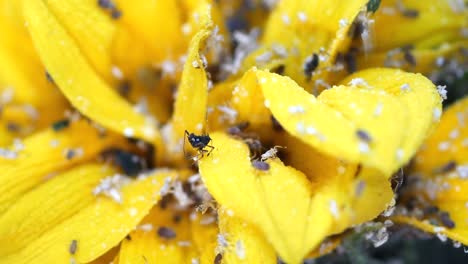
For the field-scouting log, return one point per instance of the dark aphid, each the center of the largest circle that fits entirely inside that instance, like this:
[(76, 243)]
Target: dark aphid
[(279, 69), (260, 165), (255, 146), (446, 220), (409, 57), (13, 127), (70, 154), (350, 60), (124, 88), (128, 237), (106, 4), (373, 5), (200, 143), (449, 166), (115, 13), (238, 129), (276, 125), (130, 163), (363, 135), (311, 64), (61, 124), (410, 13), (177, 218), (49, 77), (73, 247), (431, 210), (166, 232), (218, 258)]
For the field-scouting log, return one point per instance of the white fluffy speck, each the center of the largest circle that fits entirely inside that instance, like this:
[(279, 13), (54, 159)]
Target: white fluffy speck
[(405, 87), (117, 72), (296, 109), (240, 250), (399, 154), (363, 147), (128, 132), (302, 16), (358, 82), (441, 89), (300, 128), (444, 146), (334, 209), (436, 114)]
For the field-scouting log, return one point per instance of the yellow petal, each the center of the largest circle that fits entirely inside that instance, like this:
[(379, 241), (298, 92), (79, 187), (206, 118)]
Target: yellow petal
[(92, 30), (144, 245), (360, 193), (204, 238), (164, 42), (436, 20), (304, 27), (22, 75), (96, 228), (425, 58), (46, 153), (245, 244), (263, 198), (367, 127), (448, 194), (48, 205), (76, 77), (192, 96), (448, 143)]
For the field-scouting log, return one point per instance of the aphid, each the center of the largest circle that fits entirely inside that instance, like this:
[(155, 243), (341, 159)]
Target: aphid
[(218, 258), (351, 61), (279, 69), (363, 135), (446, 220), (128, 237), (449, 166), (61, 124), (409, 57), (270, 154), (410, 13), (166, 232), (261, 165), (311, 64), (124, 88), (70, 154), (200, 143), (238, 129), (73, 247), (255, 146), (115, 13), (431, 210), (373, 5), (106, 4), (49, 77), (130, 163)]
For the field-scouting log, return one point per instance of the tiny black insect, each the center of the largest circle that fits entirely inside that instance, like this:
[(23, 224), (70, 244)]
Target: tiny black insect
[(260, 165), (310, 65), (166, 232), (373, 5), (218, 258), (73, 247), (61, 124), (200, 143)]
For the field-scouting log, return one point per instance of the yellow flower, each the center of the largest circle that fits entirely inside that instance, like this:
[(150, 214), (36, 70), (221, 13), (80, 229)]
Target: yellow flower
[(179, 147)]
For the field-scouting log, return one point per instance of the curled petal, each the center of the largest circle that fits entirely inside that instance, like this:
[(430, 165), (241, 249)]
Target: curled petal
[(367, 125), (262, 197)]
